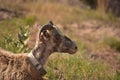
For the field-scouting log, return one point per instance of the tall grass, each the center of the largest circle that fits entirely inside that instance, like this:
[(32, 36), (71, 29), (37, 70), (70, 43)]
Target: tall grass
[(59, 13)]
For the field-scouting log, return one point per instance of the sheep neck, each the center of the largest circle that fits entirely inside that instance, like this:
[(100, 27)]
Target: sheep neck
[(41, 52)]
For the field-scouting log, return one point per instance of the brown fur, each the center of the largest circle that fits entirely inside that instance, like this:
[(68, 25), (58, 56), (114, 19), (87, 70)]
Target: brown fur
[(16, 67)]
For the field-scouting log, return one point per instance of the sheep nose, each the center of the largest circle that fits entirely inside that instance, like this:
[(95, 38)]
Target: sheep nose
[(76, 47)]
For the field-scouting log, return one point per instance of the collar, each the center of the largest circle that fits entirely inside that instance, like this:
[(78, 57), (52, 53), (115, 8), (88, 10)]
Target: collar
[(36, 64)]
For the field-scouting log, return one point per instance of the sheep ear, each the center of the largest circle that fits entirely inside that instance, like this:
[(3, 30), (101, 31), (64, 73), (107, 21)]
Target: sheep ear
[(48, 26), (45, 34), (51, 23)]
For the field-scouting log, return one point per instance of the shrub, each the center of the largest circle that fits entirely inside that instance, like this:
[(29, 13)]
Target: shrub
[(16, 46)]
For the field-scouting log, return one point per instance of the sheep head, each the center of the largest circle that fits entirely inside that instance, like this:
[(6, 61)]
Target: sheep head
[(55, 41), (50, 40)]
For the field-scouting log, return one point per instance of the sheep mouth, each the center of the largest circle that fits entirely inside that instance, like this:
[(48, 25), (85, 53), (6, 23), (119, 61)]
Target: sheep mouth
[(71, 51)]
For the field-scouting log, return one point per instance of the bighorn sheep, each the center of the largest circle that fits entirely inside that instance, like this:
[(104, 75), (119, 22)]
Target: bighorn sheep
[(30, 66)]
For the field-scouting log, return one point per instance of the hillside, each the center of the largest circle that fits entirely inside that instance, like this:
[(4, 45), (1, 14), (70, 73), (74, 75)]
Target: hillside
[(96, 33)]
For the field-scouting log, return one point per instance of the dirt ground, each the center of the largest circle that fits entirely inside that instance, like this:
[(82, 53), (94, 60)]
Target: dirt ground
[(93, 33)]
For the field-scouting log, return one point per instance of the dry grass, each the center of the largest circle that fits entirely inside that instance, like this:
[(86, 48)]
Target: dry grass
[(59, 13), (53, 11)]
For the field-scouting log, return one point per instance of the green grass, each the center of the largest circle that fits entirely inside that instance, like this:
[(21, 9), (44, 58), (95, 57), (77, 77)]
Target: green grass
[(75, 67), (113, 43)]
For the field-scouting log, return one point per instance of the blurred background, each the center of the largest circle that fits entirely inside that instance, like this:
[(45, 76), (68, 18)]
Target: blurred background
[(93, 24)]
